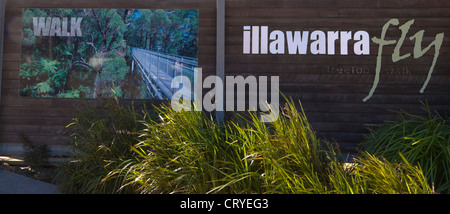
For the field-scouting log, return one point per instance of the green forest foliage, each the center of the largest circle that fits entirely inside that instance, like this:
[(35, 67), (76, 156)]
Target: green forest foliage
[(91, 65)]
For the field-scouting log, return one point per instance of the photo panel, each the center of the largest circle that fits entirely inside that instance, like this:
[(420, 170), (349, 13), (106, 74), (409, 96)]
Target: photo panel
[(99, 53)]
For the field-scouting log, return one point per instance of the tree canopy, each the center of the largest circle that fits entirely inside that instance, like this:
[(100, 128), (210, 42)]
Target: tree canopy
[(99, 60)]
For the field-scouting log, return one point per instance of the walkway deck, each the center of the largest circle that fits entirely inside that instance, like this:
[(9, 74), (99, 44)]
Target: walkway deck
[(158, 70)]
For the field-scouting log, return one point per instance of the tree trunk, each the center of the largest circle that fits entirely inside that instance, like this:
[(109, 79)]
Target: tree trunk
[(97, 85)]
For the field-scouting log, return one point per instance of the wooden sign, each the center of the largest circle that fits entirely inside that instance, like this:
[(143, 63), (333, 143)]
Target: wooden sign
[(350, 62)]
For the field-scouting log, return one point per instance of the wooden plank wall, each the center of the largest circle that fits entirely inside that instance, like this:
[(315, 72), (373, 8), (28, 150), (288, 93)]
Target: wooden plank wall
[(332, 100)]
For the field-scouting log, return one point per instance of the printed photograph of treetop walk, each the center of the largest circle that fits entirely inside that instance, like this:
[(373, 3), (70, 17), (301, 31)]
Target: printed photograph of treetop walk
[(98, 53)]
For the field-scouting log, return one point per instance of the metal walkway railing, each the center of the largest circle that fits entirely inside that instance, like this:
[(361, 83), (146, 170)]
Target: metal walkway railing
[(159, 69)]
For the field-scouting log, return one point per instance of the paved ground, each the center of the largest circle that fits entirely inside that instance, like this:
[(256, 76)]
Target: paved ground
[(12, 183)]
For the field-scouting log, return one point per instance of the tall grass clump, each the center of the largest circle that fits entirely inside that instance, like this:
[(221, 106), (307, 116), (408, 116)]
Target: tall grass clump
[(293, 159), (379, 176), (101, 138), (189, 152), (186, 152), (422, 140)]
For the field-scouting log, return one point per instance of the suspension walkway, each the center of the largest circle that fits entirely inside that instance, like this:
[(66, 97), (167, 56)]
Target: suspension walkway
[(158, 70)]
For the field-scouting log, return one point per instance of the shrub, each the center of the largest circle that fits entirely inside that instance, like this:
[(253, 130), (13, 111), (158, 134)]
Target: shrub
[(184, 152), (379, 176), (189, 152), (423, 140), (293, 159), (101, 138)]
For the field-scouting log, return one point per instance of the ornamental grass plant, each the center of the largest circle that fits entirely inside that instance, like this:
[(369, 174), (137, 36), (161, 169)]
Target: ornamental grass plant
[(189, 152), (101, 138), (422, 140), (171, 152)]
